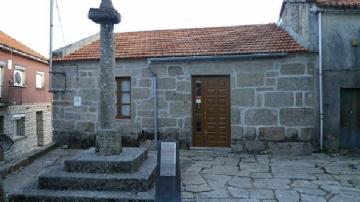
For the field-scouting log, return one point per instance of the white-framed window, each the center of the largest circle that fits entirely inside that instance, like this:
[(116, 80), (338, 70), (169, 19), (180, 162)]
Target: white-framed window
[(19, 76), (40, 79), (19, 124)]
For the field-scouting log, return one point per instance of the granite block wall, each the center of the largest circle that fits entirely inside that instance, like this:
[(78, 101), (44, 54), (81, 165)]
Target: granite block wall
[(272, 101), (28, 142)]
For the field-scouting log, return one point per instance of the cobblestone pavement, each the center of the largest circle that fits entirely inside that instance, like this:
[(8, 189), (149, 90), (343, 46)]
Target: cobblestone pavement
[(214, 176), (32, 171), (217, 176)]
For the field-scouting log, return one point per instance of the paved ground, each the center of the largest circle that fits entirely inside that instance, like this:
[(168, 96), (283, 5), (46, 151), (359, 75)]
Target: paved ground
[(209, 176), (30, 172), (216, 176)]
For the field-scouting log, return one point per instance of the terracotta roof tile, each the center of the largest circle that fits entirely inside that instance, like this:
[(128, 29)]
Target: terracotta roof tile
[(10, 42), (248, 39), (339, 3)]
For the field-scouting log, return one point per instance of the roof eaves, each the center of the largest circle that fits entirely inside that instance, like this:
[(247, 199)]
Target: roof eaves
[(22, 53), (338, 4)]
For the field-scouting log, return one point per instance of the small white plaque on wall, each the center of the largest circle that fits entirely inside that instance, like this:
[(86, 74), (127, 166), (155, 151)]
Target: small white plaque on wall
[(77, 101), (9, 64)]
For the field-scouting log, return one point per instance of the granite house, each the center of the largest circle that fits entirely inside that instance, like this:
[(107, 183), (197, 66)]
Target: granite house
[(245, 87), (251, 88)]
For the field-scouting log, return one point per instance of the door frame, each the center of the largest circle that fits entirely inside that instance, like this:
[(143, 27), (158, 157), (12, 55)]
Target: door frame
[(193, 77)]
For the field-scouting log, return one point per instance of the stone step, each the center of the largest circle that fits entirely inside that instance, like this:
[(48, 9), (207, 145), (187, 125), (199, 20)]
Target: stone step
[(31, 193), (141, 180), (87, 161)]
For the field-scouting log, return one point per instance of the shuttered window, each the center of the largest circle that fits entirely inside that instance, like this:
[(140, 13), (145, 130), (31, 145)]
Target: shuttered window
[(123, 97)]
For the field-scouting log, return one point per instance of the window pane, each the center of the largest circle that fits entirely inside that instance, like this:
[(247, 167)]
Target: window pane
[(198, 88), (125, 98), (125, 110), (22, 126), (125, 85), (19, 127), (198, 126)]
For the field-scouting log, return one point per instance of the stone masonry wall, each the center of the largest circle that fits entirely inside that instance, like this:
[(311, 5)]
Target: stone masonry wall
[(341, 59), (29, 142), (272, 101)]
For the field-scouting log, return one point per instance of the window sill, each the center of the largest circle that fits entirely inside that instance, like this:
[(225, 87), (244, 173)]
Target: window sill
[(123, 119), (18, 138), (19, 86)]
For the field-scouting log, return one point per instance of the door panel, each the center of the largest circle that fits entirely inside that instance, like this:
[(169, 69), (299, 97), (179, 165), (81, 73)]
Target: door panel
[(350, 118), (211, 111)]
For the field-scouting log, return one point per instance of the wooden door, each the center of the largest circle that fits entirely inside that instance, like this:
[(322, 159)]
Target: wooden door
[(211, 111), (350, 118)]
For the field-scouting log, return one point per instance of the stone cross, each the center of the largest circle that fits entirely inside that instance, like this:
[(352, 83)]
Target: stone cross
[(107, 141)]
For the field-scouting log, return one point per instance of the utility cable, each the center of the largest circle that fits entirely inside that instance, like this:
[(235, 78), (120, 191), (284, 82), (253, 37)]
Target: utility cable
[(60, 22)]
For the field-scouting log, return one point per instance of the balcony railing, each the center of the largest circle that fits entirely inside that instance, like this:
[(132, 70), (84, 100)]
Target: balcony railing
[(13, 95)]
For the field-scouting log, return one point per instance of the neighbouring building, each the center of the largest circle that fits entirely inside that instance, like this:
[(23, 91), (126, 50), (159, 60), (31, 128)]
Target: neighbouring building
[(254, 88), (340, 37), (25, 100)]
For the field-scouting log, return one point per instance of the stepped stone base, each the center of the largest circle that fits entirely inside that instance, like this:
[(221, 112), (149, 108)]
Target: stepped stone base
[(32, 194), (140, 180), (88, 177), (128, 161)]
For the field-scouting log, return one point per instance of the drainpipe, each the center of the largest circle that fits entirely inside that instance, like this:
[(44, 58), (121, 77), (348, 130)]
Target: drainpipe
[(155, 108), (321, 82)]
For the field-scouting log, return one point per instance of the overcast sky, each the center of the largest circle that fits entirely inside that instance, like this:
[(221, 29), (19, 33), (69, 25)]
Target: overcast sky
[(28, 20)]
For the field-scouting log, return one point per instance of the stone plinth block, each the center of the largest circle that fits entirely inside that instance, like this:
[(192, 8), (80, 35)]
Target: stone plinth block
[(128, 161), (108, 143)]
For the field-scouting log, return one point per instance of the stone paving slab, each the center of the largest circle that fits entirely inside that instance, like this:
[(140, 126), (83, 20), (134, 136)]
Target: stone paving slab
[(215, 176), (31, 172), (221, 176)]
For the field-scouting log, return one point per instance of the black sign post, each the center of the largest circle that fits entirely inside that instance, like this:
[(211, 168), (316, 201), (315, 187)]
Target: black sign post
[(168, 187)]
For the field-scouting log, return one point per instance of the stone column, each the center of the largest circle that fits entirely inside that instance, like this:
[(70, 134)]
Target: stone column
[(108, 142)]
